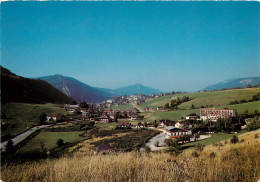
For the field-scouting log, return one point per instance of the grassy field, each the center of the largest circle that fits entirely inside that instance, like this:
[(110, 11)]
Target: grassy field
[(216, 137), (172, 115), (122, 107), (216, 98), (21, 115), (178, 114), (50, 139), (230, 162), (107, 125)]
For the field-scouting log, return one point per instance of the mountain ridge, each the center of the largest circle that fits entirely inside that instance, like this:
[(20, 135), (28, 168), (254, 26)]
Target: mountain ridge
[(16, 88), (234, 83), (83, 92)]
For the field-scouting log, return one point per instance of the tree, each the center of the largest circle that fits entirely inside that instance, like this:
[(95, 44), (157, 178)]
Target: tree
[(192, 106), (145, 124), (73, 102), (60, 142), (234, 139), (197, 136), (167, 106), (43, 118), (9, 148), (173, 93), (199, 147), (83, 105)]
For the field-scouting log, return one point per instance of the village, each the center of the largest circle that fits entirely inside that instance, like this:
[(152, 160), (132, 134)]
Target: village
[(191, 128)]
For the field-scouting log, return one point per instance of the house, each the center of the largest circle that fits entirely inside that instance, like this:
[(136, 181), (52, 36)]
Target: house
[(84, 113), (193, 117), (55, 117), (165, 123), (174, 132), (185, 125), (160, 108), (72, 111), (104, 148), (134, 117), (124, 124), (215, 114), (105, 119)]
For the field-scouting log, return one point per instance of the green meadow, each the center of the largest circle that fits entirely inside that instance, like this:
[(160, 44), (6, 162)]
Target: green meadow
[(50, 139), (20, 116), (215, 98)]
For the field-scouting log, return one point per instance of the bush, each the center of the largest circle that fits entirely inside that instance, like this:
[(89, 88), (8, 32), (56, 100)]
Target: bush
[(212, 155), (195, 154), (234, 139), (199, 147), (256, 136), (60, 142)]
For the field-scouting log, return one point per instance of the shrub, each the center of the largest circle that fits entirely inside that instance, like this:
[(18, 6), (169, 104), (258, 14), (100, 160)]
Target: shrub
[(195, 154), (147, 149), (234, 139), (60, 142), (212, 155), (242, 140), (199, 147), (256, 136)]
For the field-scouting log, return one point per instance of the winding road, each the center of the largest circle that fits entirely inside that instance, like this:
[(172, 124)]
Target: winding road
[(22, 136)]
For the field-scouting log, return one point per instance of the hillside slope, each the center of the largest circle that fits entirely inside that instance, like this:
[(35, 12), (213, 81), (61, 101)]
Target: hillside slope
[(76, 89), (214, 99), (229, 162), (234, 83), (19, 89)]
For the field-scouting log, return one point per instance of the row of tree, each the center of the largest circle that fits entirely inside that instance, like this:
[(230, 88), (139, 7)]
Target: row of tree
[(174, 103)]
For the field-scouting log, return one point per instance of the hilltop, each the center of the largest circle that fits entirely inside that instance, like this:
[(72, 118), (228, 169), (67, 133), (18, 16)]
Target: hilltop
[(15, 88), (234, 83)]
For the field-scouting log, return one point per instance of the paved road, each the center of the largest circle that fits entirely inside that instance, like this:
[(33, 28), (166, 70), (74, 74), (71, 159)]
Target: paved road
[(23, 136), (161, 137)]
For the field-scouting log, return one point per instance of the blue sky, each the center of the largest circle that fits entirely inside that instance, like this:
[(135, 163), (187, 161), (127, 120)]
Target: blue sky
[(166, 45)]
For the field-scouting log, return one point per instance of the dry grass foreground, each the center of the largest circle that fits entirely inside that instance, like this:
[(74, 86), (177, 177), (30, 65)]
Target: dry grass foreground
[(231, 162)]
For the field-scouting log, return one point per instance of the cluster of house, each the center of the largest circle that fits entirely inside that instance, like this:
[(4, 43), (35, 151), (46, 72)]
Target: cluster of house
[(150, 109)]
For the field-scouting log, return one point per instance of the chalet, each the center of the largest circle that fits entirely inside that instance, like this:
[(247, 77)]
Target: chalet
[(124, 123), (185, 125), (215, 114), (193, 117), (105, 119), (83, 110), (174, 132), (165, 123), (134, 117), (84, 113), (160, 108)]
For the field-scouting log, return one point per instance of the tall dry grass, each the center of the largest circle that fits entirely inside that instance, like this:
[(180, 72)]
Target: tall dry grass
[(231, 162)]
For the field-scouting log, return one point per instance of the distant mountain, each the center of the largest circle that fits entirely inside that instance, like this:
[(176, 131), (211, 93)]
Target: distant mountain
[(234, 83), (19, 89), (76, 89), (83, 92), (136, 89)]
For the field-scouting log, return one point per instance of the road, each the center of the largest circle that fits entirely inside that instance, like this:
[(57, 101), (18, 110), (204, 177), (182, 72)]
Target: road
[(161, 137), (22, 136), (137, 107)]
